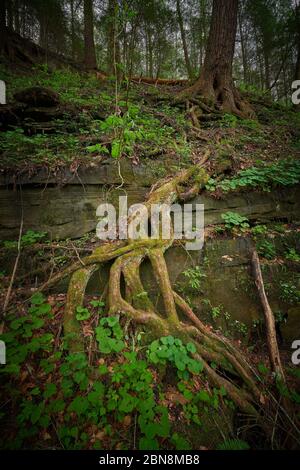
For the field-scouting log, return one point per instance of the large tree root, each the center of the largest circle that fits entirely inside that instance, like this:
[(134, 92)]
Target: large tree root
[(211, 96), (126, 259), (233, 372)]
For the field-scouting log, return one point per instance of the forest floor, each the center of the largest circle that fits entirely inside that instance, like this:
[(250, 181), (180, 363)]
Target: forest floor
[(122, 394)]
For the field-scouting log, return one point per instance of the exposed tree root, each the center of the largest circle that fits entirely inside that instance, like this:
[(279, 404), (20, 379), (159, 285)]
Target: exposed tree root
[(233, 372), (127, 258), (213, 96)]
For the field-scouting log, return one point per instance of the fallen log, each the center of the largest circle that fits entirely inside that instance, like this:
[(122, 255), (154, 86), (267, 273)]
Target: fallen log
[(159, 81), (274, 355)]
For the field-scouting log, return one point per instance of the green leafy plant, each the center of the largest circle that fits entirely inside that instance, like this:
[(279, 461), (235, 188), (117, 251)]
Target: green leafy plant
[(82, 313), (289, 292), (194, 276), (233, 444), (282, 173), (233, 220), (266, 249), (259, 230), (292, 255), (109, 335), (172, 350)]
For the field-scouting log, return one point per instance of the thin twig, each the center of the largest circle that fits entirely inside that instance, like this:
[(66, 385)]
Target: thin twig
[(8, 294)]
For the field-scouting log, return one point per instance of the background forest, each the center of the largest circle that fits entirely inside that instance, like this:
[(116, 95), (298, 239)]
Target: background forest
[(139, 343), (163, 38)]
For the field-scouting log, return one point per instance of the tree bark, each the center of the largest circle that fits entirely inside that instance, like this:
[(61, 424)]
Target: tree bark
[(297, 44), (2, 25), (113, 45), (297, 69), (183, 38), (215, 83), (72, 29), (9, 12), (243, 49), (89, 45), (17, 16)]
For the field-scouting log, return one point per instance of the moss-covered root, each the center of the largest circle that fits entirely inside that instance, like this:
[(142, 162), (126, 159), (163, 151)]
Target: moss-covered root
[(127, 258), (75, 297)]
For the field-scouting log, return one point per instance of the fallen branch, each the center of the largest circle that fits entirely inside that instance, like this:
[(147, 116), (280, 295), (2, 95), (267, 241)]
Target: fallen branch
[(274, 355), (8, 293)]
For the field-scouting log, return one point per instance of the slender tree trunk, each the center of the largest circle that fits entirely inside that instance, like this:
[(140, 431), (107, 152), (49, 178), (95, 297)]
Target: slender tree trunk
[(297, 69), (89, 45), (72, 28), (113, 45), (150, 53), (183, 38), (10, 16), (243, 49), (267, 69), (2, 15), (17, 16), (2, 25), (43, 21), (215, 83)]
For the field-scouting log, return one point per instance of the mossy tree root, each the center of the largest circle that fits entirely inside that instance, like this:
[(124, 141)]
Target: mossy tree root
[(127, 258)]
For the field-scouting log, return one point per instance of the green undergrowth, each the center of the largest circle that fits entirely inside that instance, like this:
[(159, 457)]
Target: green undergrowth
[(139, 123), (96, 123), (117, 396), (124, 393), (265, 177)]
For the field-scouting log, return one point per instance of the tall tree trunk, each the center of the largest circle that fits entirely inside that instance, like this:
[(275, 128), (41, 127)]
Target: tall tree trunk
[(150, 52), (113, 45), (297, 68), (2, 15), (89, 45), (2, 25), (243, 49), (183, 38), (43, 21), (10, 17), (72, 29), (17, 16), (215, 83), (267, 69)]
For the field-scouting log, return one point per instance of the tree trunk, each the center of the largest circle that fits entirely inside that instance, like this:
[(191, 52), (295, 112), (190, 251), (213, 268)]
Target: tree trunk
[(267, 69), (243, 50), (89, 45), (215, 83), (297, 68), (72, 29), (297, 71), (16, 16), (2, 25), (113, 46), (2, 15), (150, 53), (10, 17), (183, 38)]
